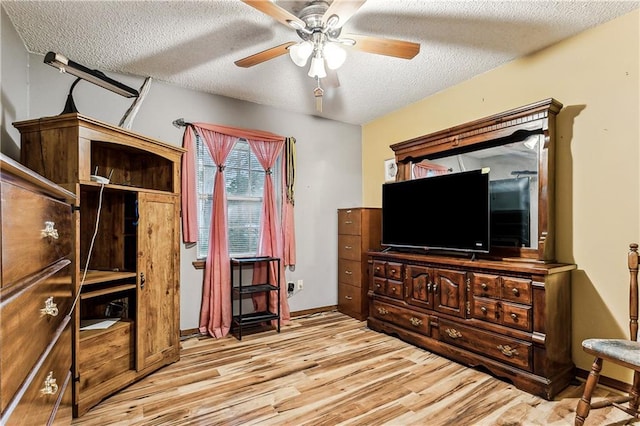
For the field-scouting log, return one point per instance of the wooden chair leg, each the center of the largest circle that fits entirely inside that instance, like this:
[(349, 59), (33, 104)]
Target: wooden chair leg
[(635, 392), (584, 404)]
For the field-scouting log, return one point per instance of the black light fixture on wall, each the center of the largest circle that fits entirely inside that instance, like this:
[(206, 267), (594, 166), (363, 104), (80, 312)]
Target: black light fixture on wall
[(83, 73)]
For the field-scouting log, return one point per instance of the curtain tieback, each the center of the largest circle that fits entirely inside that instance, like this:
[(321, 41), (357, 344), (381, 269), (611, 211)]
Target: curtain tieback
[(221, 168), (268, 171)]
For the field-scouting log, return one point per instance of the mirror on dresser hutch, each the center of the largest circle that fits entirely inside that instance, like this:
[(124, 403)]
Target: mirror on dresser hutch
[(518, 147)]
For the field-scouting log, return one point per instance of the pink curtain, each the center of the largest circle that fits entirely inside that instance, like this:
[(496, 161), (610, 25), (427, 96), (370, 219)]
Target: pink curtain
[(426, 169), (215, 314), (270, 243), (188, 183)]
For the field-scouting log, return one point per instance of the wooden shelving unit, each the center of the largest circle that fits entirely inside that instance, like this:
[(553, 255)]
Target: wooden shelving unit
[(133, 269)]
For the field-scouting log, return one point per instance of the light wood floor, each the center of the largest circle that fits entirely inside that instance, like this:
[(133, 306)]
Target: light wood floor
[(328, 369)]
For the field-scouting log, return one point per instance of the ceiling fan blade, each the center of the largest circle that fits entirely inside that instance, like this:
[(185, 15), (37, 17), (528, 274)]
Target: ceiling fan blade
[(343, 9), (263, 56), (384, 46), (276, 12)]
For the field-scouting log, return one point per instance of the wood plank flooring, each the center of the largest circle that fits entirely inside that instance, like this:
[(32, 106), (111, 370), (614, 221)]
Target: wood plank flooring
[(329, 369)]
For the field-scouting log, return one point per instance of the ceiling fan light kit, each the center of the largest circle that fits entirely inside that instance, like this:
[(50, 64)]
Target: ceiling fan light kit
[(319, 25), (300, 52)]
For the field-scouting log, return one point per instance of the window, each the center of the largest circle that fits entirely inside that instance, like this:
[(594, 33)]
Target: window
[(244, 182)]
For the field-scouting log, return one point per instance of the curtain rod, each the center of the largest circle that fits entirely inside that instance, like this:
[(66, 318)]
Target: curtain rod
[(179, 122)]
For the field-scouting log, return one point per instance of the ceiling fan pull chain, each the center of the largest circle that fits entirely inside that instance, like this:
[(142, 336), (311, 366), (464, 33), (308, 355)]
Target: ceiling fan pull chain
[(318, 92)]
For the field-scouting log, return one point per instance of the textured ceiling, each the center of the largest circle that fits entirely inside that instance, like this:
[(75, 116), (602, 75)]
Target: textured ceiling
[(194, 44)]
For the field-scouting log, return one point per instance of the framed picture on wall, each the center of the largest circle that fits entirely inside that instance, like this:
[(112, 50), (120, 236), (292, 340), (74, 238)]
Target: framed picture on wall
[(390, 170)]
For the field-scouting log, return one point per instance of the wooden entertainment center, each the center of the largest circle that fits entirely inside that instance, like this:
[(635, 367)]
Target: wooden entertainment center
[(508, 310)]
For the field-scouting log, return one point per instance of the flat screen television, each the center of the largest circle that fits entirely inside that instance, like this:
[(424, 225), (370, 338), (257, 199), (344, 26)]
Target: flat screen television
[(447, 212)]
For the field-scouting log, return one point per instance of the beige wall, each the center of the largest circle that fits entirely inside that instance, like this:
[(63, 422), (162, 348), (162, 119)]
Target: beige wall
[(595, 76)]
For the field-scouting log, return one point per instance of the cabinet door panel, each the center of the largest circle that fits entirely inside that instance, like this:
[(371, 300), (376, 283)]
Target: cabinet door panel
[(419, 280), (449, 291), (158, 262)]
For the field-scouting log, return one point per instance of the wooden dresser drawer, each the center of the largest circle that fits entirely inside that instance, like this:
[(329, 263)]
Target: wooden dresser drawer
[(516, 290), (404, 318), (32, 224), (350, 272), (485, 285), (505, 313), (63, 414), (511, 351), (349, 298), (379, 268), (98, 362), (394, 289), (390, 270), (394, 271), (486, 309), (44, 392), (30, 317), (517, 316), (379, 285), (349, 221), (349, 247)]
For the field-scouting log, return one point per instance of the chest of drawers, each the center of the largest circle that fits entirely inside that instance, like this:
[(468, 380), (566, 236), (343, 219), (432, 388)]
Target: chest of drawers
[(359, 230), (36, 298), (513, 318)]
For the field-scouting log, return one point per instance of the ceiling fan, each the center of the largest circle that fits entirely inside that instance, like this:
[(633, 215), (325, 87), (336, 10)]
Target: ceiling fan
[(319, 25)]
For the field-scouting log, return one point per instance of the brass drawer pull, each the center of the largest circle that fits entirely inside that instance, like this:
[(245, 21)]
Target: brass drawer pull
[(50, 307), (484, 310), (515, 291), (453, 333), (382, 311), (484, 286), (348, 272), (393, 271), (50, 385), (507, 350), (348, 247), (348, 222), (49, 230), (348, 297), (415, 321), (514, 317), (378, 285)]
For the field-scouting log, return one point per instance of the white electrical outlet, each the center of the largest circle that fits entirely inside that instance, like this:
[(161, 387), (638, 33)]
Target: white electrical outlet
[(300, 284)]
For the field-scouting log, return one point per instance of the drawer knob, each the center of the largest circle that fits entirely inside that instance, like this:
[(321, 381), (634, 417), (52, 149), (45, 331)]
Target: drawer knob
[(453, 333), (50, 385), (49, 230), (50, 307), (348, 297), (515, 291), (484, 310), (378, 285), (393, 271), (484, 286), (415, 321), (507, 350), (514, 317), (348, 272), (382, 311)]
